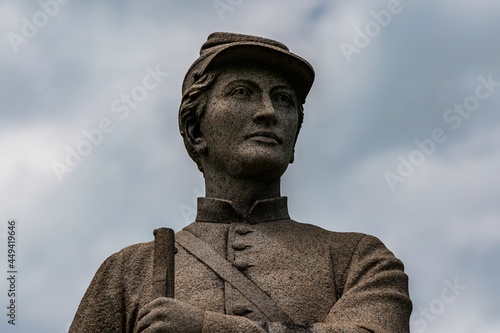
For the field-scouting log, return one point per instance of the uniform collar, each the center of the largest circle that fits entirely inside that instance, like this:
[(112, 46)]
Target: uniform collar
[(222, 211)]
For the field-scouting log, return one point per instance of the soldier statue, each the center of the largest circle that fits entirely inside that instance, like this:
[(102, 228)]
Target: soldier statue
[(244, 265)]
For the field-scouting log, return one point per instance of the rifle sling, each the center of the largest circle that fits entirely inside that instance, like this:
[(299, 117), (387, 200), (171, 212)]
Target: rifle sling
[(223, 268)]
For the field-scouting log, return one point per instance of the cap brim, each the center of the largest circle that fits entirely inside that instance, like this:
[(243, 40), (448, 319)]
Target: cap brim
[(296, 69)]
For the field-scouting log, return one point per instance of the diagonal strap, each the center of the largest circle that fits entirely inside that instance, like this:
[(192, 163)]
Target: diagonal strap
[(207, 255)]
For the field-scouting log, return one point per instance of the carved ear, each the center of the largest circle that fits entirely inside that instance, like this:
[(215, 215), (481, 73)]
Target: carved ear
[(196, 137), (293, 156)]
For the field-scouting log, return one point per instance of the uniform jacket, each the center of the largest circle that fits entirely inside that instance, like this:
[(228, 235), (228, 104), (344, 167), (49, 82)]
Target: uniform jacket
[(325, 281)]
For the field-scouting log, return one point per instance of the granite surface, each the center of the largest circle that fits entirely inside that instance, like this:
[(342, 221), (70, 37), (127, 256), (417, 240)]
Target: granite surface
[(244, 265)]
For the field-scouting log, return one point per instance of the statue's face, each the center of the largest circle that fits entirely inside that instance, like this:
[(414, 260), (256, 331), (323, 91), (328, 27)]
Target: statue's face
[(250, 123)]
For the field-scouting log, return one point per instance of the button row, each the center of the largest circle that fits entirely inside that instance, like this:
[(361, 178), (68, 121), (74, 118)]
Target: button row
[(239, 245)]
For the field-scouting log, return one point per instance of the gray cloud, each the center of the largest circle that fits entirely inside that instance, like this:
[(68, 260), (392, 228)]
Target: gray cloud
[(360, 117)]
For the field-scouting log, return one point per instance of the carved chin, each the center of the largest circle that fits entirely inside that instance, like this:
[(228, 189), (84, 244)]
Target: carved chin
[(259, 164)]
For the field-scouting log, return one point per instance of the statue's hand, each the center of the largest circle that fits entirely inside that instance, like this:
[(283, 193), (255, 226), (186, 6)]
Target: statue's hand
[(168, 315)]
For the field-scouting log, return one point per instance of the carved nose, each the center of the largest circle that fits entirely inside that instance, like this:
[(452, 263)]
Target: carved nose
[(266, 113)]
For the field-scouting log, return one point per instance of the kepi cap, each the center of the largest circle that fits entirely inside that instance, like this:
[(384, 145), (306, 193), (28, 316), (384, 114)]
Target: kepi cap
[(223, 48)]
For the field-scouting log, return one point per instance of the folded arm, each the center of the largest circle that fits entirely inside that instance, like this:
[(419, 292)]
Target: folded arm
[(374, 300)]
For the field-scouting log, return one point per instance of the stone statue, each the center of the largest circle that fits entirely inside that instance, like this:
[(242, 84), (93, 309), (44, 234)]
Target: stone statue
[(244, 265)]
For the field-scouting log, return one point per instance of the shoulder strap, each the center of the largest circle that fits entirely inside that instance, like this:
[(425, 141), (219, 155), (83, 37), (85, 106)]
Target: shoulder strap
[(207, 255)]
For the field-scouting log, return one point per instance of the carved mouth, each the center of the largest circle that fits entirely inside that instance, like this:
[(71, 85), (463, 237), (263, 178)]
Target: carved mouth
[(265, 136)]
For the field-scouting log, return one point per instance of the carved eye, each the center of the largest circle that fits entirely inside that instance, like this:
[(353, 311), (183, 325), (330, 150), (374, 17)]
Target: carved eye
[(240, 92), (283, 99)]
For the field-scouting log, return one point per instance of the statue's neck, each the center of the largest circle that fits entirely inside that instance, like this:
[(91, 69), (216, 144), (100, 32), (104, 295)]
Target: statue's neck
[(241, 192)]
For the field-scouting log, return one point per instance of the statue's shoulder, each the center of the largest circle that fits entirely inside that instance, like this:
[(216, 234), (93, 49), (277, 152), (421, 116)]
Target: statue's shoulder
[(342, 244), (137, 248), (131, 258), (336, 237), (131, 267), (137, 252)]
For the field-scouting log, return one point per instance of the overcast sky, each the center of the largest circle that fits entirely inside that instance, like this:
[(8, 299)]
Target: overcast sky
[(401, 139)]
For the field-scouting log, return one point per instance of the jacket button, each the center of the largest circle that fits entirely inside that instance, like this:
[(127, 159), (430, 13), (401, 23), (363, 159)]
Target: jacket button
[(242, 230), (240, 310), (241, 264), (239, 246)]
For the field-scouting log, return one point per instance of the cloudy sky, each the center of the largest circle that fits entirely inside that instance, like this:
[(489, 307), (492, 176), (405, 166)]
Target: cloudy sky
[(401, 139)]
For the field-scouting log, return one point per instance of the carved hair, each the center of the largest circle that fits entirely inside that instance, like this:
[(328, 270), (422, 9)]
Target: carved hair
[(193, 106)]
